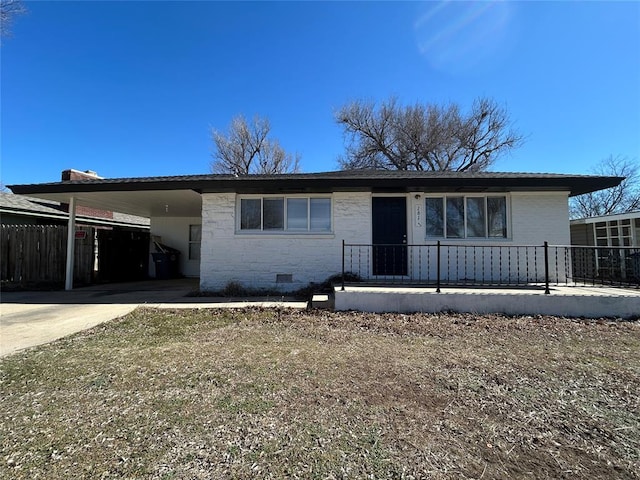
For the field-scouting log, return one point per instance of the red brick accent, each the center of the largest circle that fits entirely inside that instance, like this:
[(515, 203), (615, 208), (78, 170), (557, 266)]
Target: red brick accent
[(68, 175), (78, 175), (92, 212)]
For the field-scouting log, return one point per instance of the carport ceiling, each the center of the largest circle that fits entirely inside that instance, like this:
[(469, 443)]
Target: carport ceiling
[(149, 203)]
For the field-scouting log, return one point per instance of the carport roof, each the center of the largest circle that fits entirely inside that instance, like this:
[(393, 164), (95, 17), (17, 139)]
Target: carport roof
[(180, 195)]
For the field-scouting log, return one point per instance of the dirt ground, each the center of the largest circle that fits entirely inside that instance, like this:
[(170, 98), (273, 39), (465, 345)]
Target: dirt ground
[(267, 393)]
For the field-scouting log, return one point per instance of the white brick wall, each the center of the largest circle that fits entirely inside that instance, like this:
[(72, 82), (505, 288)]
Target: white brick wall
[(254, 260), (539, 217)]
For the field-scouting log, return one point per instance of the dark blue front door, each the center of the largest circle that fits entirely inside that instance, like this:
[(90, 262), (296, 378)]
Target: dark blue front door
[(389, 235)]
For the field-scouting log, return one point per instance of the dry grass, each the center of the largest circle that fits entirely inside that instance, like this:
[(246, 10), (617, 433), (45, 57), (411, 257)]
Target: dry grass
[(273, 394)]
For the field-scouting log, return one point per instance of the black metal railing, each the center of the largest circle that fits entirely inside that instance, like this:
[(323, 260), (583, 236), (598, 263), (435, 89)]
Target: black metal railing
[(448, 264), (616, 266)]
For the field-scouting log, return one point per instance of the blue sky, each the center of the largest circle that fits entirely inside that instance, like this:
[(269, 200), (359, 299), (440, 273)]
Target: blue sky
[(134, 88)]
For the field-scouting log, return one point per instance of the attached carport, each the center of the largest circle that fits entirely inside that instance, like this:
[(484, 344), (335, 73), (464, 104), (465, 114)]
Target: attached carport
[(153, 200)]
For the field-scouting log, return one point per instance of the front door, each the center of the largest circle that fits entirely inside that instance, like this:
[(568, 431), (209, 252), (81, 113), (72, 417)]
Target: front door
[(389, 224)]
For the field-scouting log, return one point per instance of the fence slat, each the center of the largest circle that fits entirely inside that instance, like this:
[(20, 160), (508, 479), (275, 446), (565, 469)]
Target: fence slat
[(34, 254)]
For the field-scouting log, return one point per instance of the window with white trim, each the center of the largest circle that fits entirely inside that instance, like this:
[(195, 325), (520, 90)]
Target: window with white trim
[(195, 237), (458, 216), (293, 214)]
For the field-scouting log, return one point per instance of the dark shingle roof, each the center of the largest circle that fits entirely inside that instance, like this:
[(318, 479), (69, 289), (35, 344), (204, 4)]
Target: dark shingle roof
[(353, 180), (19, 203), (27, 206)]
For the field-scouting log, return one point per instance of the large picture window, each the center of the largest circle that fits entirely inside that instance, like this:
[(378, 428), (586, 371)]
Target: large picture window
[(286, 214), (466, 217)]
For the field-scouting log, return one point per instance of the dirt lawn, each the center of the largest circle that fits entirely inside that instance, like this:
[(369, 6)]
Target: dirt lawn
[(284, 394)]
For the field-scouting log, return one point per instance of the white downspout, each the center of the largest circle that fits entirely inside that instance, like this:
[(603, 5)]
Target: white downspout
[(71, 243)]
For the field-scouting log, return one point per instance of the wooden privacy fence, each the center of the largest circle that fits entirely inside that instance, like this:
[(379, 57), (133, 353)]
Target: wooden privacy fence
[(37, 254)]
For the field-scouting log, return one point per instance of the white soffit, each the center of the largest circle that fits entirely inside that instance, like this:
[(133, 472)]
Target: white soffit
[(152, 203)]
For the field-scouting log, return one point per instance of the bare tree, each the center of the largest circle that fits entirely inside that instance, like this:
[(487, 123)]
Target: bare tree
[(425, 136), (246, 150), (621, 199), (9, 9)]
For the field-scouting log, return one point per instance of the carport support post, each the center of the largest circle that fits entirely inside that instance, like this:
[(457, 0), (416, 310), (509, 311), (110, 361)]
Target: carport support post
[(71, 243)]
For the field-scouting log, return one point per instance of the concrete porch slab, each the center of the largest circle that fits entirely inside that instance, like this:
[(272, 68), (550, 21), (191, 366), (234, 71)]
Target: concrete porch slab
[(589, 302)]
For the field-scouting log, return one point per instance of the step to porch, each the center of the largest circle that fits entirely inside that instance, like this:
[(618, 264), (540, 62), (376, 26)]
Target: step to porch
[(322, 301)]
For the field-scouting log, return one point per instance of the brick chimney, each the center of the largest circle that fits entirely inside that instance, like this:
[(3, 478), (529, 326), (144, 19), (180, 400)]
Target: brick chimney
[(71, 174)]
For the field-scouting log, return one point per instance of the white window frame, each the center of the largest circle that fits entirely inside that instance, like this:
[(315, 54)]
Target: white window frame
[(195, 242), (284, 231), (466, 237)]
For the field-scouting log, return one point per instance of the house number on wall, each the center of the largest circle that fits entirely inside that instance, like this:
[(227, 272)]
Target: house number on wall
[(417, 208)]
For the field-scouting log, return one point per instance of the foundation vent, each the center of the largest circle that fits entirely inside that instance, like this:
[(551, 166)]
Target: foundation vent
[(284, 278)]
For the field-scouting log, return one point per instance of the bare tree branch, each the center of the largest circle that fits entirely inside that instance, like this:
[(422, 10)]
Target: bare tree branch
[(621, 199), (246, 150), (9, 9), (425, 136)]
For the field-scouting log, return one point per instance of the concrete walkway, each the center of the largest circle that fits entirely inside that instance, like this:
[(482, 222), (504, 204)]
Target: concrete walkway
[(28, 319)]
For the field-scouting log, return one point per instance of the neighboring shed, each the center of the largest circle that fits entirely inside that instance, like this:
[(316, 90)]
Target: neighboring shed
[(618, 230), (615, 246)]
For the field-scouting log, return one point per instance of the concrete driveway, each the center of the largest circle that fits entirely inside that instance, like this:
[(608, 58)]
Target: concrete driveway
[(28, 319)]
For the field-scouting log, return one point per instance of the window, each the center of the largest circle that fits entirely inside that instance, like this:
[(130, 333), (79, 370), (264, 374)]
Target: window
[(195, 236), (466, 217), (497, 216), (476, 218), (320, 214), (614, 233), (434, 214), (250, 214), (297, 213), (273, 214), (286, 214), (455, 217)]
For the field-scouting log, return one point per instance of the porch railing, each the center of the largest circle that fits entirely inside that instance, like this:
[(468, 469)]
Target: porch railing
[(448, 264)]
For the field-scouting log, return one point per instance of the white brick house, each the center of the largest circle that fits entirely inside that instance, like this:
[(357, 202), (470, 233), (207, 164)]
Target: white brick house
[(285, 231)]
